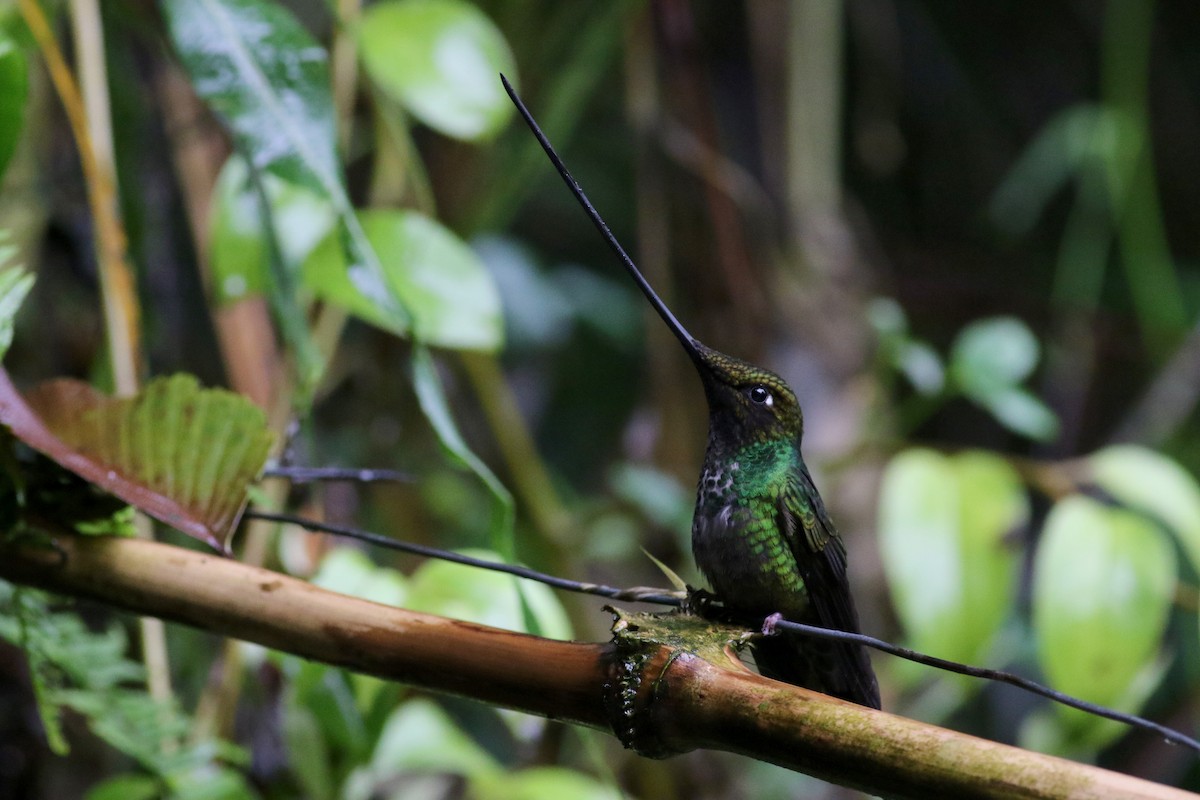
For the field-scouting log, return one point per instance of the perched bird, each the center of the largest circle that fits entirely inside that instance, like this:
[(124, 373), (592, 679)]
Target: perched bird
[(760, 534)]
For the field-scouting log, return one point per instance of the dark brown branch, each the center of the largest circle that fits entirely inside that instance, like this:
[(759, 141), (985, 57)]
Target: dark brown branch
[(676, 701)]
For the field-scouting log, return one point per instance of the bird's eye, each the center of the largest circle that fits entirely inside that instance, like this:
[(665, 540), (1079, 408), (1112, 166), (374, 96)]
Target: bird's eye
[(760, 395)]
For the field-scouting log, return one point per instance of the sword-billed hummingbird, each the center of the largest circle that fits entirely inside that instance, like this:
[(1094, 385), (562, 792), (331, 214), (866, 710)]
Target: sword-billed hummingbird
[(760, 533)]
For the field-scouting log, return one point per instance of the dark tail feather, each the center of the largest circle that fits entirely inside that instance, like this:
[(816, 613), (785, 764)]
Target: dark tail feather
[(836, 669)]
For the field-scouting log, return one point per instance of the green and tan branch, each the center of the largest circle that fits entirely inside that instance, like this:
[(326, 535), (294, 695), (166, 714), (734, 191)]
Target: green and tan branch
[(671, 701)]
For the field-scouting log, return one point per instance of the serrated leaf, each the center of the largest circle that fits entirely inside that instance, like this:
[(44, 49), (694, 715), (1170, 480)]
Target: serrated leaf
[(1103, 582), (182, 454), (440, 59), (1150, 482), (943, 521), (14, 88), (449, 294)]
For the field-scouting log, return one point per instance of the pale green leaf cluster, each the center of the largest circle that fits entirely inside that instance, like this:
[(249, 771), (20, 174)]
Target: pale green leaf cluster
[(988, 362), (1105, 572), (353, 735)]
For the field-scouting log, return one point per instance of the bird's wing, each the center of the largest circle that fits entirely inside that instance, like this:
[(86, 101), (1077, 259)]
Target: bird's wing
[(821, 558)]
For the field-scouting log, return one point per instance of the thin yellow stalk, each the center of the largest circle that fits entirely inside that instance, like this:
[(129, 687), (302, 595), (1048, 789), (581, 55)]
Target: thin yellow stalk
[(91, 126), (116, 279)]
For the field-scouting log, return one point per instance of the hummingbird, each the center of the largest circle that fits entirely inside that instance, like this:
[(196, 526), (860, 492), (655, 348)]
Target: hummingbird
[(760, 533)]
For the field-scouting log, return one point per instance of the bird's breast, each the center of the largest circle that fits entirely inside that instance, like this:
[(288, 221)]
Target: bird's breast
[(747, 562)]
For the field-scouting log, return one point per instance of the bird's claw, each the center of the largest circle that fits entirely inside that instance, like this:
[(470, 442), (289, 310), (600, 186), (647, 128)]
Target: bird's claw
[(699, 602), (770, 623)]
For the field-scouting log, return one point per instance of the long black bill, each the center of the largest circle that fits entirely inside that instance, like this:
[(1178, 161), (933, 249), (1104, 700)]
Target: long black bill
[(689, 343)]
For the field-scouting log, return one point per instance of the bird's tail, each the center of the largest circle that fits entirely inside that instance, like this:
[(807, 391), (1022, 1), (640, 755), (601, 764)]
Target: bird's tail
[(834, 668)]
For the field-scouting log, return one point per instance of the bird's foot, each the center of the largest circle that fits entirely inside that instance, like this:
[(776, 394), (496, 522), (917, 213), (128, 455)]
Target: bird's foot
[(770, 623), (699, 602)]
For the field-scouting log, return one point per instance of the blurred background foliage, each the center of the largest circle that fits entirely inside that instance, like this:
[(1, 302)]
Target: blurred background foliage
[(959, 231)]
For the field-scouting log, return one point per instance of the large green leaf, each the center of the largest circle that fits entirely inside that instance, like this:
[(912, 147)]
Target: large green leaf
[(182, 454), (267, 78), (942, 526), (262, 72), (239, 253), (255, 64), (440, 58), (442, 282), (543, 783), (1103, 583), (420, 736), (1151, 483), (13, 91)]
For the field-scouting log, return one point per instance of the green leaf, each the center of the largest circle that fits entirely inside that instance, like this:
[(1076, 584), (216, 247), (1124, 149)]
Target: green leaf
[(74, 667), (922, 366), (440, 58), (307, 752), (261, 71), (1079, 137), (1151, 483), (992, 355), (267, 78), (1102, 587), (451, 297), (182, 454), (887, 318), (542, 783), (987, 362), (428, 388), (239, 253), (1023, 413), (656, 494), (919, 362), (351, 572), (488, 598), (15, 284), (14, 87), (129, 786), (537, 316), (943, 521), (419, 736)]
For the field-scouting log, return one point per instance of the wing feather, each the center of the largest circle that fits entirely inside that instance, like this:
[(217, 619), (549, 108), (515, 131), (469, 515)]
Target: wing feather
[(821, 558)]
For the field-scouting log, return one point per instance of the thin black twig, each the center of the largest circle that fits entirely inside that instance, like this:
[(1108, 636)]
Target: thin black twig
[(662, 597), (1171, 735), (309, 474), (636, 594)]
